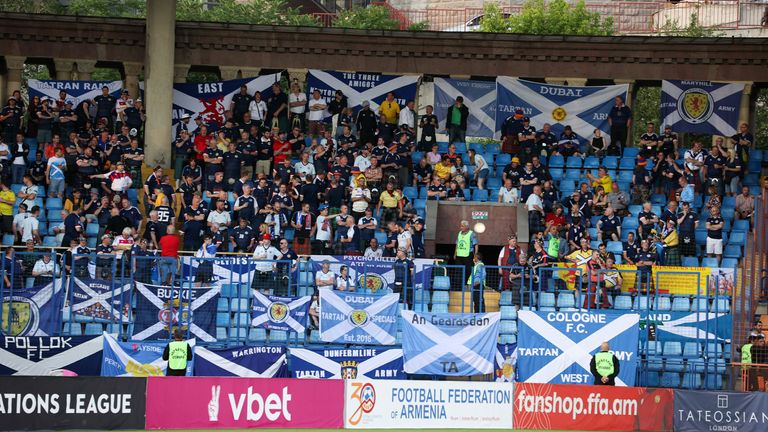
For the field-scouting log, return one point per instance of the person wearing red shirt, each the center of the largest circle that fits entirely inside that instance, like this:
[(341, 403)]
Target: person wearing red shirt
[(280, 146), (200, 142), (169, 251)]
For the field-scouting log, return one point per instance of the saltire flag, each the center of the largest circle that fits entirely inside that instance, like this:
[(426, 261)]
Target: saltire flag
[(449, 343), (33, 312), (246, 362), (506, 363), (583, 108), (701, 106), (209, 101), (374, 275), (479, 97), (354, 318), (159, 308), (40, 355), (557, 348), (232, 270), (77, 91), (347, 363), (280, 313), (137, 359), (686, 326), (100, 299), (359, 87)]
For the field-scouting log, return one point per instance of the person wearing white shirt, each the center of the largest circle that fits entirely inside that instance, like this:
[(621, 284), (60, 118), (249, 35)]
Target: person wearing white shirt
[(408, 116), (43, 270), (363, 160), (297, 101), (317, 110), (324, 278), (481, 168), (509, 194), (360, 198), (29, 228), (18, 218), (374, 251), (304, 166), (535, 206), (265, 254), (404, 240), (257, 108), (223, 219)]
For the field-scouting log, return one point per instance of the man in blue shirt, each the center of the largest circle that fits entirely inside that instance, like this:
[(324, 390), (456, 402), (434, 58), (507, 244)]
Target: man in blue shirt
[(72, 227), (476, 282), (620, 120)]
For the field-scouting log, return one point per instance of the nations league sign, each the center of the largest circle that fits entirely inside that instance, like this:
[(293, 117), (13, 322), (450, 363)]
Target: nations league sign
[(35, 403)]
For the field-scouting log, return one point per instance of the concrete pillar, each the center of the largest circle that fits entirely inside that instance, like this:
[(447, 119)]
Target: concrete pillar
[(555, 81), (299, 75), (746, 105), (180, 72), (249, 72), (577, 82), (159, 74), (14, 65), (84, 69), (64, 68), (460, 77), (132, 71), (3, 97), (229, 72)]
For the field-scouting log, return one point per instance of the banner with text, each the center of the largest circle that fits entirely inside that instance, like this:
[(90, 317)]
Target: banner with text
[(280, 313), (449, 343), (557, 347), (428, 405), (479, 97), (359, 87), (32, 312), (240, 403), (583, 108), (375, 274), (136, 359), (40, 355), (358, 318), (60, 403), (246, 362), (160, 308), (100, 300), (347, 363), (582, 407), (720, 411), (77, 91), (701, 107), (686, 326)]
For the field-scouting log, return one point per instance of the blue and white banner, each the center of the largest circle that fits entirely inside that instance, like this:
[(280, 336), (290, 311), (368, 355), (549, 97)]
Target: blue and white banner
[(226, 270), (583, 108), (33, 312), (209, 101), (352, 318), (449, 343), (506, 363), (359, 87), (247, 362), (159, 308), (40, 355), (136, 359), (557, 347), (100, 299), (686, 326), (347, 363), (374, 275), (479, 97), (701, 106), (280, 313), (77, 91)]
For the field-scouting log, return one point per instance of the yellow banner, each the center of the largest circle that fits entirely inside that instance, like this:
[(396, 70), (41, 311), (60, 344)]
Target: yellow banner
[(681, 280), (671, 280)]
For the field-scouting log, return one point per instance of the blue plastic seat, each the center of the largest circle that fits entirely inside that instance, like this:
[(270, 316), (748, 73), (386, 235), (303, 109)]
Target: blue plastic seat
[(738, 238), (572, 174), (441, 283), (505, 299), (622, 302), (662, 303), (615, 247), (721, 305), (692, 381), (692, 349), (503, 159), (627, 164), (631, 152), (557, 174), (573, 162), (556, 161), (681, 304), (278, 336), (411, 192), (700, 304), (709, 262), (591, 162), (508, 312), (546, 299), (240, 305), (439, 308), (690, 262), (440, 297), (54, 204), (8, 239), (507, 339), (481, 195), (611, 162), (507, 327), (670, 380), (673, 348), (222, 319), (238, 333), (93, 329), (740, 225), (566, 300), (257, 335)]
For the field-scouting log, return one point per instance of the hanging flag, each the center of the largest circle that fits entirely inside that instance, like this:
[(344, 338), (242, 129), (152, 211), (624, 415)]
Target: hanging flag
[(354, 318), (159, 307), (374, 275), (449, 343), (136, 359), (39, 355), (359, 87), (479, 98), (583, 108), (209, 101), (347, 363), (686, 326), (506, 362), (701, 106), (100, 300), (226, 270), (557, 347), (33, 312), (280, 313), (77, 91), (246, 362)]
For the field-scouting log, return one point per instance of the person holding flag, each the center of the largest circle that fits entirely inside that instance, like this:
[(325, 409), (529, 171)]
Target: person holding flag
[(177, 353)]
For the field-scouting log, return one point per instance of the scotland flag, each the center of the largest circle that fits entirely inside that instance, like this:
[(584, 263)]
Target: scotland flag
[(701, 106), (280, 313), (479, 97), (33, 312), (39, 355), (583, 108), (358, 87), (99, 299), (159, 308), (686, 326), (209, 101), (246, 362), (353, 318), (136, 359), (234, 270), (77, 91), (449, 343), (347, 363)]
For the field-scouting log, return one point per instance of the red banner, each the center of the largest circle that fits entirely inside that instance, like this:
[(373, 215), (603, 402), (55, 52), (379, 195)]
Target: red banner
[(239, 403), (598, 408)]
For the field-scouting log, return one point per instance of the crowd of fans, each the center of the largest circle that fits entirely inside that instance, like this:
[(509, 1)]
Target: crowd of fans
[(277, 179)]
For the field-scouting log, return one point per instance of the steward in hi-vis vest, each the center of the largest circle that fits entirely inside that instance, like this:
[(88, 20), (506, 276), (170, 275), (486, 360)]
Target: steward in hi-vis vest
[(604, 366), (177, 354)]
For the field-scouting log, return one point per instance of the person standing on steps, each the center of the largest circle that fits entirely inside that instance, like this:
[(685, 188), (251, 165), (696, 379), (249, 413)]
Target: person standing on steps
[(604, 366), (177, 353)]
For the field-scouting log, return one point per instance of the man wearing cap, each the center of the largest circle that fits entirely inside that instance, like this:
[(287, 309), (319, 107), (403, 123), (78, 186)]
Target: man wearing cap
[(456, 121), (466, 246), (183, 124), (10, 118), (264, 254)]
